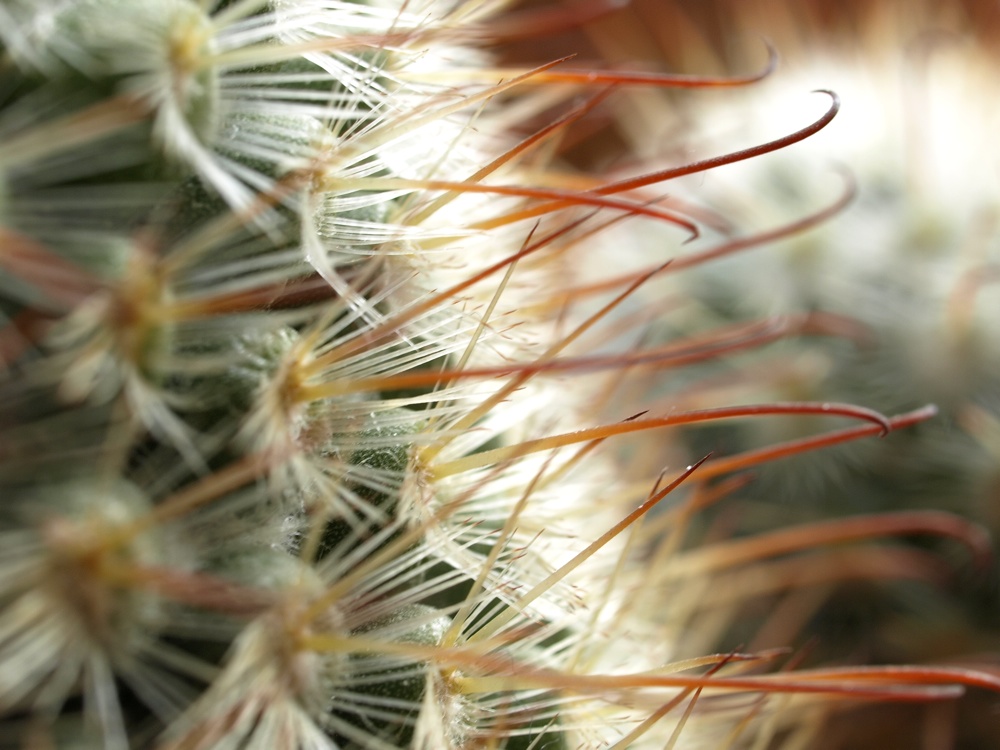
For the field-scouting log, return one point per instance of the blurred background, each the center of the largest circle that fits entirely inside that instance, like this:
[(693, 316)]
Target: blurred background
[(913, 263)]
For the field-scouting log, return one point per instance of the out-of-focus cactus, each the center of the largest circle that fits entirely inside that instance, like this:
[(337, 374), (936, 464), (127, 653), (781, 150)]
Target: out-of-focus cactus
[(911, 266), (312, 396)]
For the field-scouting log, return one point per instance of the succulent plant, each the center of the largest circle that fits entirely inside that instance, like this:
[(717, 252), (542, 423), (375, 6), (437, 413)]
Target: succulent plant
[(315, 388)]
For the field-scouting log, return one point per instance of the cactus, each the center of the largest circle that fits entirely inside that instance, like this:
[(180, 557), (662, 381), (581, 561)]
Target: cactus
[(313, 397)]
